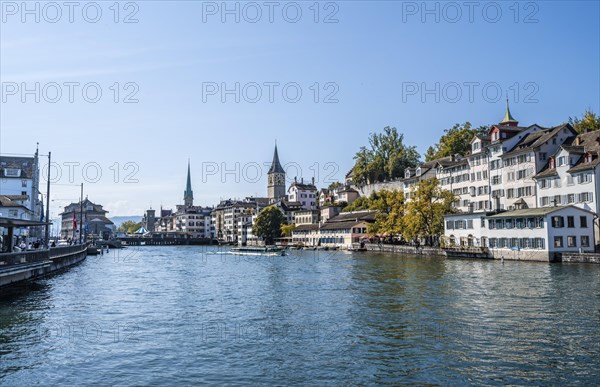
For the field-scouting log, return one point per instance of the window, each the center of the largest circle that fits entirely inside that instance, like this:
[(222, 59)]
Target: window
[(585, 241), (510, 176), (584, 178), (558, 241), (543, 156), (12, 172), (544, 183), (570, 221), (558, 222), (449, 225), (569, 180), (571, 241), (570, 198), (24, 183), (583, 222)]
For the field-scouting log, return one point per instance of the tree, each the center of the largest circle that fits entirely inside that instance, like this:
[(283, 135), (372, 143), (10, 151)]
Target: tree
[(455, 140), (129, 227), (286, 229), (386, 157), (268, 224), (361, 203), (424, 215), (589, 121), (390, 208), (335, 185)]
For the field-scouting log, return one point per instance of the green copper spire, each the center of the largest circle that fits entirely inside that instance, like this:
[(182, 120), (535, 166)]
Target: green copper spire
[(188, 195), (507, 116)]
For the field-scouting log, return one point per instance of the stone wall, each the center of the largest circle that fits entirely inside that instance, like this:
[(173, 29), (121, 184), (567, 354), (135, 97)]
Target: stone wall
[(403, 249), (581, 257)]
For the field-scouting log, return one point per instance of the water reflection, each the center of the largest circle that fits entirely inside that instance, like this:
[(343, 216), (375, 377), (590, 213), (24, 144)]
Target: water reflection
[(168, 315)]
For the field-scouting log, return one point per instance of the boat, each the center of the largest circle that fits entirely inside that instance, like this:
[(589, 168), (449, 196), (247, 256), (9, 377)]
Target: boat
[(258, 250)]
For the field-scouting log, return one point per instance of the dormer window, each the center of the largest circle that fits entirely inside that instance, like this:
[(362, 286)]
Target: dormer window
[(406, 174), (476, 145), (588, 158), (552, 163), (419, 171), (12, 172)]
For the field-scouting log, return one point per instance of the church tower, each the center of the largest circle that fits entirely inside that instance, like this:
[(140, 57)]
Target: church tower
[(188, 194), (276, 177)]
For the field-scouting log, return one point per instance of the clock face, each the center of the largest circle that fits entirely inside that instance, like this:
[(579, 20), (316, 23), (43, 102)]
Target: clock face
[(276, 179)]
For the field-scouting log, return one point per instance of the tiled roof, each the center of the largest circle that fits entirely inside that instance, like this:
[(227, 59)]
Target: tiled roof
[(541, 211), (536, 139), (25, 164), (302, 186)]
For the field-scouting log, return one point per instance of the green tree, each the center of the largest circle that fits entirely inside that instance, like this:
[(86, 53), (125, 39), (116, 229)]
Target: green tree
[(589, 121), (454, 140), (129, 226), (268, 224), (390, 208), (361, 203), (335, 185), (386, 157), (286, 229), (424, 215)]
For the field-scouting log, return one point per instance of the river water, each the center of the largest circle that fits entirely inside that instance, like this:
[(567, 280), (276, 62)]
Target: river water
[(190, 314)]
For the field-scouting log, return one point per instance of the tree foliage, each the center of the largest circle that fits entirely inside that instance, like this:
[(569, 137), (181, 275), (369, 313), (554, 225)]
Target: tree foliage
[(286, 229), (335, 185), (424, 217), (589, 121), (129, 227), (268, 224), (454, 140), (385, 158)]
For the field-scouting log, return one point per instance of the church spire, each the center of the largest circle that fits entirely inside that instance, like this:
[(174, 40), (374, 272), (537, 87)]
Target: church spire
[(276, 165), (508, 118), (188, 194)]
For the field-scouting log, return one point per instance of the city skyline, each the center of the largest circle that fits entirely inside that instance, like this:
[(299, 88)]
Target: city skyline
[(379, 62)]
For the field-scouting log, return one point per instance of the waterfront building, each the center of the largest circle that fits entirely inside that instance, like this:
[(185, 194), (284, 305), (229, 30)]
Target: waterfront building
[(276, 179), (305, 194), (571, 175), (329, 212), (230, 216), (340, 231), (20, 179), (526, 234), (306, 217), (149, 220), (94, 220)]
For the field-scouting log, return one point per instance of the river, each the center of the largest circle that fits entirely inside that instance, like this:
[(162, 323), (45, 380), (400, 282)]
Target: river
[(169, 315)]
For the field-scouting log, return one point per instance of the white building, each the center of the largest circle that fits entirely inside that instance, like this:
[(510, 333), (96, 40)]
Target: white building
[(19, 182), (305, 194), (526, 234)]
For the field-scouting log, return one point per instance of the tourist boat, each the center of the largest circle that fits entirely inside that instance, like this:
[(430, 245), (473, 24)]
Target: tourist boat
[(258, 250)]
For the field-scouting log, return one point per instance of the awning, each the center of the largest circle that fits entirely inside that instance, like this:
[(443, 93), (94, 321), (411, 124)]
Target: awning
[(10, 222)]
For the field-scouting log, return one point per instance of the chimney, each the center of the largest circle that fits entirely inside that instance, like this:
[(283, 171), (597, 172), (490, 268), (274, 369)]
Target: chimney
[(302, 180), (313, 180)]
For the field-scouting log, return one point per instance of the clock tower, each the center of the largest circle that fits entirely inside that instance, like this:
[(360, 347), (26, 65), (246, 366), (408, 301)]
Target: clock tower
[(276, 179)]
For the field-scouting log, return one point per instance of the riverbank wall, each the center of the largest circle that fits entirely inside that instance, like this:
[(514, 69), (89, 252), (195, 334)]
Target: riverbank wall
[(28, 265)]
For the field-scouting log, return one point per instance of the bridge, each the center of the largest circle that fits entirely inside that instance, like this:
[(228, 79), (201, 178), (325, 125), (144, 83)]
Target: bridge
[(165, 241)]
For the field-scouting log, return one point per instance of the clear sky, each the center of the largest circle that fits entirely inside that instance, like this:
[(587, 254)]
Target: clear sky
[(369, 62)]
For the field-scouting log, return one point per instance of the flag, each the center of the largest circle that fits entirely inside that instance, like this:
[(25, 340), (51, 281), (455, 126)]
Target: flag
[(74, 223), (42, 214)]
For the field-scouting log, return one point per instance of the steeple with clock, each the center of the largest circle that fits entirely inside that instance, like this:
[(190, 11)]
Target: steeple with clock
[(276, 179)]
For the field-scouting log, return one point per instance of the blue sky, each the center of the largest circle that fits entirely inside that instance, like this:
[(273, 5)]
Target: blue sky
[(546, 58)]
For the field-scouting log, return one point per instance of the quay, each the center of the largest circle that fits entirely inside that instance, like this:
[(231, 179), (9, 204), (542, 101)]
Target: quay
[(27, 265)]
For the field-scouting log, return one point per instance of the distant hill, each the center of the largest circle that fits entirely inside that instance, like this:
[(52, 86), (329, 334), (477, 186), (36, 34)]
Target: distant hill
[(117, 220)]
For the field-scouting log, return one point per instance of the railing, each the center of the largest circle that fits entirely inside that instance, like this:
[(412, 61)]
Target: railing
[(24, 257), (36, 256)]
